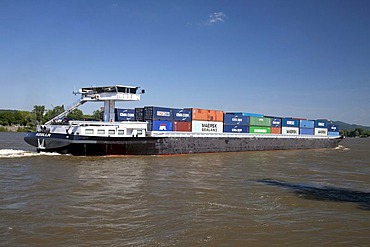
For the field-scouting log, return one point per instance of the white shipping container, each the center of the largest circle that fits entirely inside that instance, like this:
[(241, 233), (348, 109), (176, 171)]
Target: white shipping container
[(321, 131), (289, 130), (207, 126)]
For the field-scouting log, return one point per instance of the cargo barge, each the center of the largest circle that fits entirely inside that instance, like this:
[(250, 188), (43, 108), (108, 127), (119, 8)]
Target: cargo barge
[(161, 131)]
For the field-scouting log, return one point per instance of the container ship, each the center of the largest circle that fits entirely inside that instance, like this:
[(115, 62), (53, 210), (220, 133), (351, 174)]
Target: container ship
[(152, 130)]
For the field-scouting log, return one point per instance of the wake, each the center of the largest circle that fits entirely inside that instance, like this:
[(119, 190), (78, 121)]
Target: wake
[(14, 153)]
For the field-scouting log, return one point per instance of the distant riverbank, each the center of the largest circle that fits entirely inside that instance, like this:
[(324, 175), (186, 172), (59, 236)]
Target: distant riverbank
[(14, 129)]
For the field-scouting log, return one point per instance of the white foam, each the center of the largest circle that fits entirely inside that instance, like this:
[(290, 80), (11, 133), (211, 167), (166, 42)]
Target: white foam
[(340, 147), (14, 153)]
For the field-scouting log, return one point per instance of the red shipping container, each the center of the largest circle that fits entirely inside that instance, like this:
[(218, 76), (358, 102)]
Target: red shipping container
[(181, 126), (275, 130)]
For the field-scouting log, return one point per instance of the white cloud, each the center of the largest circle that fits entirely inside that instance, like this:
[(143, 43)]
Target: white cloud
[(216, 17)]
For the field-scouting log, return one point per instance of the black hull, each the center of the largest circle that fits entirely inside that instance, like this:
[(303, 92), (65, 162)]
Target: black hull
[(93, 146)]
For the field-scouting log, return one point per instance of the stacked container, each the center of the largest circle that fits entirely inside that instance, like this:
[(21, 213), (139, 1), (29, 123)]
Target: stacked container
[(259, 125), (276, 125), (125, 114), (181, 120), (139, 114), (290, 126), (321, 128), (307, 127), (236, 122), (159, 118), (206, 121), (333, 130)]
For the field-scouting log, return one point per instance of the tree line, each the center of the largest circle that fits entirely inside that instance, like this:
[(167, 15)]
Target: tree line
[(358, 132), (26, 120)]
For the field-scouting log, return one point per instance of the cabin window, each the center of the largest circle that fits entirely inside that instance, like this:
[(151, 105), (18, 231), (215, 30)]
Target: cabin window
[(89, 131), (121, 132), (139, 132), (111, 132), (101, 132)]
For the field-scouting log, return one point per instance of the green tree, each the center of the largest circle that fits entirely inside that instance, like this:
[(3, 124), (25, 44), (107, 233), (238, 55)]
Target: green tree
[(76, 114), (54, 112), (39, 111), (97, 115)]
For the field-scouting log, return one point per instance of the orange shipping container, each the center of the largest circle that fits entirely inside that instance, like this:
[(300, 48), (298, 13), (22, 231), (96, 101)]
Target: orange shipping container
[(275, 130), (207, 115)]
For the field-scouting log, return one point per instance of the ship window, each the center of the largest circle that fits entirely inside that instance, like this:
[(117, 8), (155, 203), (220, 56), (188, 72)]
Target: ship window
[(89, 131), (111, 132), (139, 132), (101, 132), (121, 132)]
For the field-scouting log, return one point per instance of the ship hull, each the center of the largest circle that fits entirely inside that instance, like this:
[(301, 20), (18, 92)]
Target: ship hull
[(94, 145)]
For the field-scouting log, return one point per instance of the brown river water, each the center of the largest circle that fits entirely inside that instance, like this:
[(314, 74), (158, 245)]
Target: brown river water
[(274, 198)]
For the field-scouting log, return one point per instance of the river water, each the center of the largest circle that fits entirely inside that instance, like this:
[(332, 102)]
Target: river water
[(273, 198)]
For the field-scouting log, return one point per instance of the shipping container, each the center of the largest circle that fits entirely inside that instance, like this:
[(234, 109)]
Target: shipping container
[(125, 114), (183, 115), (236, 128), (259, 130), (235, 119), (181, 126), (260, 121), (248, 114), (206, 115), (321, 131), (333, 133), (158, 113), (275, 122), (332, 128), (275, 130), (139, 114), (321, 124), (289, 122), (207, 126), (159, 125), (306, 131), (309, 124), (290, 130)]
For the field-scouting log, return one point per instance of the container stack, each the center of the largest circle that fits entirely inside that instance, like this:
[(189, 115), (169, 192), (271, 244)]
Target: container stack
[(158, 118), (259, 125), (333, 130), (181, 120), (124, 114), (236, 122), (290, 126), (139, 114), (321, 128), (206, 121), (276, 125), (307, 127)]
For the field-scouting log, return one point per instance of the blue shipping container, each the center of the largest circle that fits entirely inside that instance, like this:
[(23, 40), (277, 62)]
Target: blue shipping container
[(306, 131), (139, 114), (235, 118), (276, 122), (158, 125), (236, 129), (333, 133), (321, 124), (181, 115), (157, 113), (310, 124), (125, 114), (333, 128), (288, 122)]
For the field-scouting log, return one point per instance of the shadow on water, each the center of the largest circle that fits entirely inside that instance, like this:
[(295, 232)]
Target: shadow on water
[(325, 193)]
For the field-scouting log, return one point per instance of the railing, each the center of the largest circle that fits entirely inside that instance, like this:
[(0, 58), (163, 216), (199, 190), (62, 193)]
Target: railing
[(69, 109)]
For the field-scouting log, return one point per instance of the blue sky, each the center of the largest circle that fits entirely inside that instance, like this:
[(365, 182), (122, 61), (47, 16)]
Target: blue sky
[(284, 58)]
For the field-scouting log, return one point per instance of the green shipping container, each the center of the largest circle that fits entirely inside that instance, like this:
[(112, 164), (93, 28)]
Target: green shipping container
[(260, 121), (259, 130)]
